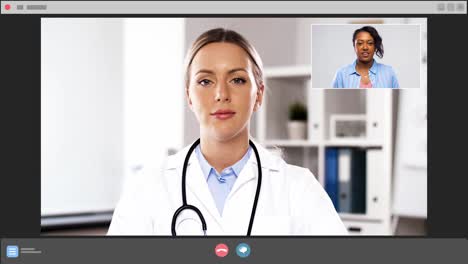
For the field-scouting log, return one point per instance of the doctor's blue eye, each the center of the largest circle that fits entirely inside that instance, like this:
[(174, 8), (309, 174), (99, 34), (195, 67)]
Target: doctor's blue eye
[(204, 82), (238, 81)]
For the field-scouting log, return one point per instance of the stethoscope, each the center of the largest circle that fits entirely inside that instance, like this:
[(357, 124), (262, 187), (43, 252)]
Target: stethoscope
[(186, 206)]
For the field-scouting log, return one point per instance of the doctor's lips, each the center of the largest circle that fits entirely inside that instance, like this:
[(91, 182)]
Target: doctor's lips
[(223, 114)]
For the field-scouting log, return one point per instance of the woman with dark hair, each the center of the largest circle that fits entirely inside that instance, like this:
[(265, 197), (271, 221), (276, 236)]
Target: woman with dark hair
[(224, 183), (365, 71)]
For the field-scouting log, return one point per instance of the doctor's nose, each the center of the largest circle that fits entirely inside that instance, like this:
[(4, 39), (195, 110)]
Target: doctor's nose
[(222, 94)]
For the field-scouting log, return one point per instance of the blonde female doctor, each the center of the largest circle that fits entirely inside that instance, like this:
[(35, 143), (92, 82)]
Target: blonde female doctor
[(225, 184)]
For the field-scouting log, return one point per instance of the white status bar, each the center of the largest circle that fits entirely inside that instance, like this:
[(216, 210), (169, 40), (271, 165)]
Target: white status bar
[(233, 7)]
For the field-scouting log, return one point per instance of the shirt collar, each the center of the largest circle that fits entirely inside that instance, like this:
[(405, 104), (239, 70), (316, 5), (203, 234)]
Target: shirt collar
[(206, 167), (374, 67), (352, 68), (268, 160)]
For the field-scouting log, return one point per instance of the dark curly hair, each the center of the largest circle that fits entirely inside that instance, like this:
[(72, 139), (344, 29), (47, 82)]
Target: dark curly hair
[(375, 35)]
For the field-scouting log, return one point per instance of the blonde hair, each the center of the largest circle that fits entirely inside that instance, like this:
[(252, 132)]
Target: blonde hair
[(228, 36)]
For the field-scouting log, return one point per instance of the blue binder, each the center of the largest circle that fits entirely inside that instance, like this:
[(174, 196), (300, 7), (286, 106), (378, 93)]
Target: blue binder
[(331, 175)]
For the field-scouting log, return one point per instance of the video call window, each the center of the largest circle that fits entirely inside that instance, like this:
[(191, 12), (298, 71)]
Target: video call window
[(382, 55), (154, 85), (139, 126)]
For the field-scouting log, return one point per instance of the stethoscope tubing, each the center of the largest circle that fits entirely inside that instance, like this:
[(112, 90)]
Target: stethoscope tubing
[(186, 206)]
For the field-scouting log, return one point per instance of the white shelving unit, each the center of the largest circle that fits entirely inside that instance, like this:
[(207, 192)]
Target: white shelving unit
[(287, 84)]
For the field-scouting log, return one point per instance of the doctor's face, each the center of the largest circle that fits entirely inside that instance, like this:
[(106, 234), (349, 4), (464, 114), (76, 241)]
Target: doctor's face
[(222, 91)]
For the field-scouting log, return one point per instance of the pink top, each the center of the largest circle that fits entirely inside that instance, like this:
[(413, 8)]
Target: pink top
[(362, 85)]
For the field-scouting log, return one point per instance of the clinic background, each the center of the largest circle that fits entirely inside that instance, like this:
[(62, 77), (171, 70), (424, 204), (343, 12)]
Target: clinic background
[(113, 104)]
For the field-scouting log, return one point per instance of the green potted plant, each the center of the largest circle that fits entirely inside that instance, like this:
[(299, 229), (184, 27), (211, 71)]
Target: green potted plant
[(297, 125)]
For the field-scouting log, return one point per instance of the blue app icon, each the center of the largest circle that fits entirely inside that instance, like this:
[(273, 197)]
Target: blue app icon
[(12, 251), (243, 250)]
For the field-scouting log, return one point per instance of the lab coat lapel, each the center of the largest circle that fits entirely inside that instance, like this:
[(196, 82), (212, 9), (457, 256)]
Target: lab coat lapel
[(198, 187), (239, 203), (238, 207), (246, 176)]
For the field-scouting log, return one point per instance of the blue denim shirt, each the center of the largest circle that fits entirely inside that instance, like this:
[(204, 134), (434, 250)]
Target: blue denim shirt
[(381, 76)]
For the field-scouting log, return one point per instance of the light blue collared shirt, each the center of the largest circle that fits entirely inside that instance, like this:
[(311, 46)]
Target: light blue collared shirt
[(220, 184), (381, 76)]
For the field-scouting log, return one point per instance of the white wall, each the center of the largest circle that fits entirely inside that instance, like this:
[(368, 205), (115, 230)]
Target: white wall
[(154, 95), (410, 166), (81, 115), (111, 104), (332, 48)]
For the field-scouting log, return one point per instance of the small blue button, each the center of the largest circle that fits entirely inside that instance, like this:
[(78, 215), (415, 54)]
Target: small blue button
[(12, 251), (243, 250)]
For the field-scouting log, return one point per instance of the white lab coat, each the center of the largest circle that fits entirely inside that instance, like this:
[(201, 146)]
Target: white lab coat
[(291, 202)]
